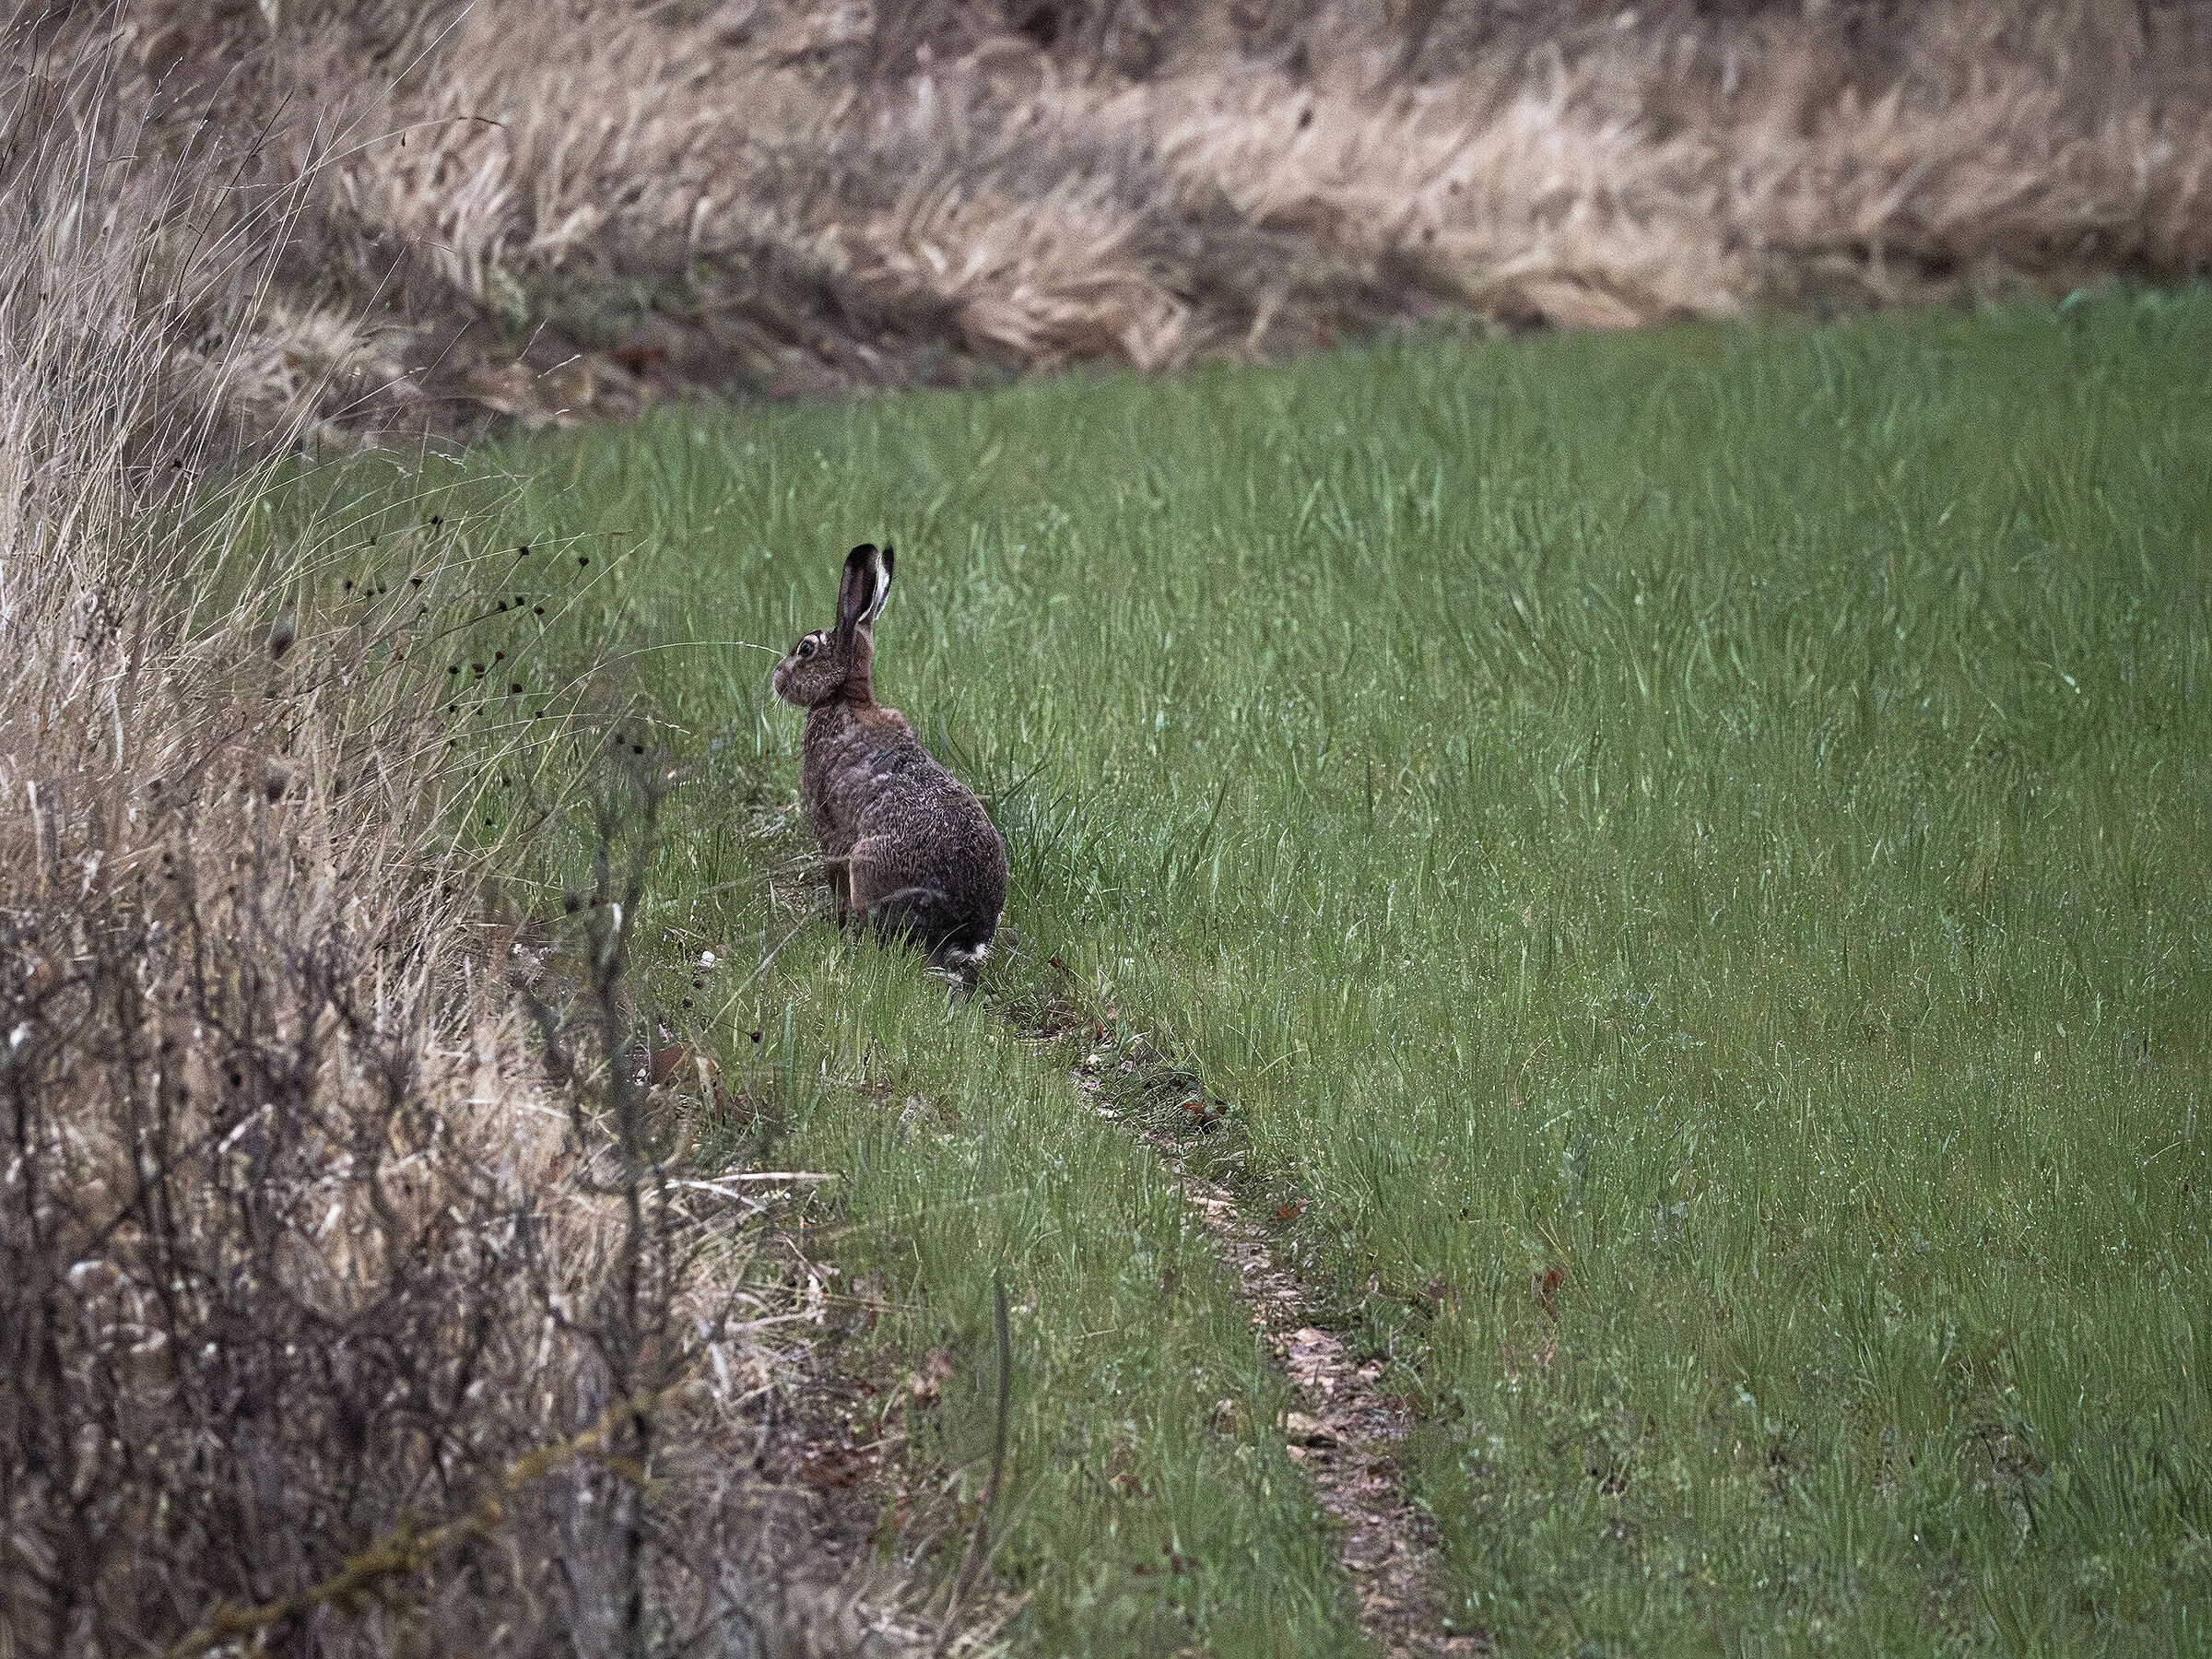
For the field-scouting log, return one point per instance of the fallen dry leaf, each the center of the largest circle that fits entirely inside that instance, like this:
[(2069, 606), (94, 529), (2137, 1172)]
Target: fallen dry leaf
[(665, 1062), (928, 1383), (1545, 1288)]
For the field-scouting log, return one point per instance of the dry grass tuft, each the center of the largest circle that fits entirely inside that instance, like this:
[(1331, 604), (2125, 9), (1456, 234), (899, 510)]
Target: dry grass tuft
[(346, 1304), (547, 210)]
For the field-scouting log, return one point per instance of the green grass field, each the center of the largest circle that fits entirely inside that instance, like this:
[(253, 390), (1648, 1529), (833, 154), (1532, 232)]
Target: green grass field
[(1723, 814)]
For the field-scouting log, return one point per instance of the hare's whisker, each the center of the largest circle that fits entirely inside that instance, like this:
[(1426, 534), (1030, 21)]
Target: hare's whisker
[(699, 645)]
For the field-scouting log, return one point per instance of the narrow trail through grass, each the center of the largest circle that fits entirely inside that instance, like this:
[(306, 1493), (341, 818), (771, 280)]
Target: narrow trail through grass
[(1684, 861), (1345, 1433)]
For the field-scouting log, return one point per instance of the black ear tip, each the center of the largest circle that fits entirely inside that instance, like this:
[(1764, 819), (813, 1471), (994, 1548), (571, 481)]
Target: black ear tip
[(888, 557), (862, 554)]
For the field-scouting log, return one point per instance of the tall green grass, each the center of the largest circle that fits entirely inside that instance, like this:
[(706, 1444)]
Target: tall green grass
[(1686, 854)]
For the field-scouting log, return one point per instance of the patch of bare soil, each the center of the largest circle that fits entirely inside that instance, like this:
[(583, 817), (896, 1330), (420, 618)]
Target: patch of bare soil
[(1345, 1431), (819, 1592)]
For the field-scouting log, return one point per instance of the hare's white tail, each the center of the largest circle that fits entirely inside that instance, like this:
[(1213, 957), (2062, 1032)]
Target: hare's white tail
[(909, 908), (963, 958)]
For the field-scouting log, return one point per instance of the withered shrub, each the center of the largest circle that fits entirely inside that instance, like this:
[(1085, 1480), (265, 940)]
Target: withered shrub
[(345, 1305)]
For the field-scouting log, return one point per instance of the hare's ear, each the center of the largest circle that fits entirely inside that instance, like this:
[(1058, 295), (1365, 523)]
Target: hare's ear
[(866, 584), (856, 590), (883, 585)]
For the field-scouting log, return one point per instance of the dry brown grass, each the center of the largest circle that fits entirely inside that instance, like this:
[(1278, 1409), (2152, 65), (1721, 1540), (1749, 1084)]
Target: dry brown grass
[(347, 1303), (546, 209)]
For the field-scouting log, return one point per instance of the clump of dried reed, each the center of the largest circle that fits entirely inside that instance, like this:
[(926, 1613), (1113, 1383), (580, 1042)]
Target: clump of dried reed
[(339, 1311), (548, 209)]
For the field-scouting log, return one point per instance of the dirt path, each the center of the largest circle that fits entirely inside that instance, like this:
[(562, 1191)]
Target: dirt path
[(1344, 1431)]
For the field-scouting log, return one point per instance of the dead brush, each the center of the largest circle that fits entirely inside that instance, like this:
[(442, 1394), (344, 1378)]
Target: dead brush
[(804, 198), (335, 1316)]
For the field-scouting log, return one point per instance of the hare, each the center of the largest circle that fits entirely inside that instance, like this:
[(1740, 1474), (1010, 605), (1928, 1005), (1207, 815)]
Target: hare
[(911, 850)]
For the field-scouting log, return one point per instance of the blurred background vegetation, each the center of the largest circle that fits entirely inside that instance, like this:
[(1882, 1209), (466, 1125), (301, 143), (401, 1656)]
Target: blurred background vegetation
[(547, 208)]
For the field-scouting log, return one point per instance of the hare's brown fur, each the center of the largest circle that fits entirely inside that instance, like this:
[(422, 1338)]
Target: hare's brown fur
[(910, 848)]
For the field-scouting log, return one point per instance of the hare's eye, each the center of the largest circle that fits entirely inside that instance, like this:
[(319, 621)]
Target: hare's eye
[(806, 648)]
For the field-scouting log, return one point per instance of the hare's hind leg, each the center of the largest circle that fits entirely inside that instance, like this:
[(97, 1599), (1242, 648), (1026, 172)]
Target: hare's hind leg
[(840, 888), (875, 886), (888, 894)]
